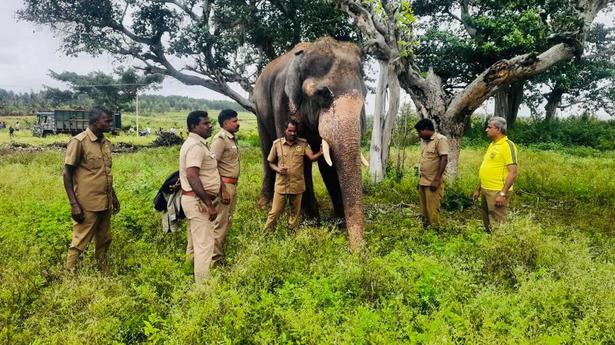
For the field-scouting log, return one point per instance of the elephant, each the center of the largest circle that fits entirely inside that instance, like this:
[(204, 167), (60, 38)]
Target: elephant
[(319, 84)]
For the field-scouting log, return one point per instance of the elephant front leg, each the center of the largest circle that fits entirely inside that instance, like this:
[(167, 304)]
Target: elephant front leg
[(331, 179), (309, 204), (267, 186)]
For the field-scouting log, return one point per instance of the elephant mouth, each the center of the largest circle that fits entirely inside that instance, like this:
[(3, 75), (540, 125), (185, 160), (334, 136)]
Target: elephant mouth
[(324, 97)]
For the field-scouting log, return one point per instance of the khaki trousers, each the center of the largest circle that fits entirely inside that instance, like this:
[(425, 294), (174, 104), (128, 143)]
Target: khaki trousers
[(430, 204), (277, 207), (200, 236), (493, 214), (96, 226), (223, 221)]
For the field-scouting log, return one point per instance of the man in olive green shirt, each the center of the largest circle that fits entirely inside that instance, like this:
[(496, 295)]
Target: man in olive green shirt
[(286, 159), (89, 185), (434, 157), (224, 146)]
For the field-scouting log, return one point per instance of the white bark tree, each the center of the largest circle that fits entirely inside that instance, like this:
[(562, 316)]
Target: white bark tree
[(451, 111)]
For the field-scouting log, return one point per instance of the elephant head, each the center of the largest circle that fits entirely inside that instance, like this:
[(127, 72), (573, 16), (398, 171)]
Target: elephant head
[(325, 90)]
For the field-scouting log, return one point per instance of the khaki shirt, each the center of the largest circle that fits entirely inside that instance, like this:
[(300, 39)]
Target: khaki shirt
[(195, 153), (224, 146), (431, 150), (291, 157), (92, 180)]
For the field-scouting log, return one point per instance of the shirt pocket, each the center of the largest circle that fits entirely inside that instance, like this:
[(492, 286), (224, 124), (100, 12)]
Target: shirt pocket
[(93, 160)]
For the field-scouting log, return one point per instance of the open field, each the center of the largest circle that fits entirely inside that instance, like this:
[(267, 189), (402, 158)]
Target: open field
[(548, 277)]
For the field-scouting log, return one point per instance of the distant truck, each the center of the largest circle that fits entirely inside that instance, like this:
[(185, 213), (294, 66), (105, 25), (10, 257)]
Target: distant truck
[(67, 121)]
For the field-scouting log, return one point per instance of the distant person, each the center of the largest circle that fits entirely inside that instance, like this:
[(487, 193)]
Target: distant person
[(200, 183), (497, 174), (432, 166), (2, 125), (89, 185), (224, 146), (17, 126), (11, 132), (286, 159)]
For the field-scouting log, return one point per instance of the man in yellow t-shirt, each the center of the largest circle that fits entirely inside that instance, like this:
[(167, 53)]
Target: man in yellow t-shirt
[(497, 174)]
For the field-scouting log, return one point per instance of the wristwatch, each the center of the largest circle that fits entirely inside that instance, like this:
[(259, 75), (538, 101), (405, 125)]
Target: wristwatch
[(501, 193)]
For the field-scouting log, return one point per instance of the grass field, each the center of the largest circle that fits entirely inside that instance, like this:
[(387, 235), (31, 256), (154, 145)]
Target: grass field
[(547, 277)]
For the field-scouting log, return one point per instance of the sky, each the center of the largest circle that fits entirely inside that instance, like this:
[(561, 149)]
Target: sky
[(28, 52)]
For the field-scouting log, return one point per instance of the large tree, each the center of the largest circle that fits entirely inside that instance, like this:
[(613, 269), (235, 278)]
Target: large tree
[(451, 109), (587, 83), (211, 43)]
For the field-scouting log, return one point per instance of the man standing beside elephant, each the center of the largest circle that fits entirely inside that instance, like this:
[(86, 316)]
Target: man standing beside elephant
[(200, 183), (434, 157), (224, 146), (286, 158)]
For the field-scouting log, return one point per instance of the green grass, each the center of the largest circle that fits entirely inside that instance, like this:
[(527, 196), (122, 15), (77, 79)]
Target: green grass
[(545, 278), (155, 121)]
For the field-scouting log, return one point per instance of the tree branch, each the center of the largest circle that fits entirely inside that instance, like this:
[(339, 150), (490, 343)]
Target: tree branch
[(505, 72)]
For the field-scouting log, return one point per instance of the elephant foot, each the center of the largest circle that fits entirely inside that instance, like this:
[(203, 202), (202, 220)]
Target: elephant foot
[(263, 202)]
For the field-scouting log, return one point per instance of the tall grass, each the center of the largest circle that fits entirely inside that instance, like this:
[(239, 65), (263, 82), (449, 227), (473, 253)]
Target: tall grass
[(546, 277)]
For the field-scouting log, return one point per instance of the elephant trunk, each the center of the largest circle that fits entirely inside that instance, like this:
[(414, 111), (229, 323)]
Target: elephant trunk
[(340, 127)]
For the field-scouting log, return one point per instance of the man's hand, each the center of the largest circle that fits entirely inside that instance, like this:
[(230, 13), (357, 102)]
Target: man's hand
[(212, 212), (76, 213), (434, 185), (115, 205), (500, 200), (226, 197), (475, 196), (283, 170)]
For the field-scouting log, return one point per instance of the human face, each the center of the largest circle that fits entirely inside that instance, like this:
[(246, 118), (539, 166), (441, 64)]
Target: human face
[(103, 123), (203, 128), (492, 131), (231, 125), (425, 134), (290, 133)]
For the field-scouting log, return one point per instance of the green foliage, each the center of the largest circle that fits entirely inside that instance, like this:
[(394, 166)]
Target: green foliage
[(582, 135), (115, 92), (546, 277)]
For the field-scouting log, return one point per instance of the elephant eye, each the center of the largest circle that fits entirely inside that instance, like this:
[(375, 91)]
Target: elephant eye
[(318, 66)]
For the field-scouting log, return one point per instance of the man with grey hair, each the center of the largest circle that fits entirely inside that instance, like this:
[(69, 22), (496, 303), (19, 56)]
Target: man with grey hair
[(497, 174)]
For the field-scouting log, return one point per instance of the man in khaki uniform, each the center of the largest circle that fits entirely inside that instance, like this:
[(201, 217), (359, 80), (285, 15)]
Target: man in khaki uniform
[(200, 183), (89, 185), (286, 159), (434, 157), (497, 174), (224, 146)]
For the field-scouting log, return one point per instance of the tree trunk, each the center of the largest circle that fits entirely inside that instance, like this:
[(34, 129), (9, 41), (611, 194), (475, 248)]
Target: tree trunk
[(507, 102), (384, 119), (553, 101)]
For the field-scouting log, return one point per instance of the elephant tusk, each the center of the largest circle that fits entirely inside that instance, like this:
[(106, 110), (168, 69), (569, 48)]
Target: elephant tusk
[(326, 153), (363, 160)]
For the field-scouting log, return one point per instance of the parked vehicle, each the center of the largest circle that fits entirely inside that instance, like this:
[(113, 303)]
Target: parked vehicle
[(67, 121)]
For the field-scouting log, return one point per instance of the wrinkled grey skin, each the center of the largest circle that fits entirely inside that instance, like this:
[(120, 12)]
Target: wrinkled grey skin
[(321, 85)]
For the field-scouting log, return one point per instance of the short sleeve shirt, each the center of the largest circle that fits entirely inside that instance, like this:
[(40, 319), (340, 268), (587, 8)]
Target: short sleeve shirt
[(92, 180), (195, 152), (224, 146), (494, 168), (431, 150), (291, 157)]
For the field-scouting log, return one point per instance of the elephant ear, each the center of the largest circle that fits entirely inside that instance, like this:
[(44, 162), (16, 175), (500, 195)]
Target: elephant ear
[(294, 81)]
